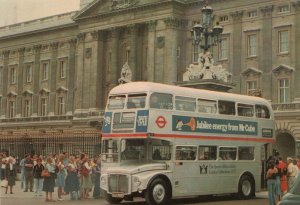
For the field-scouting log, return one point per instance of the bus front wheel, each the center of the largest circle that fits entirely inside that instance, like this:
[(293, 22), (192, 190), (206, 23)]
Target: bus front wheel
[(246, 187), (112, 200), (158, 193)]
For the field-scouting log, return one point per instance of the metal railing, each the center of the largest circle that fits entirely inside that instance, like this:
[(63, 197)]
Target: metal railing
[(286, 106), (45, 144)]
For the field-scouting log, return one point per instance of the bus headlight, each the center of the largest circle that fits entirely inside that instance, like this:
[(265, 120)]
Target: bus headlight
[(136, 181)]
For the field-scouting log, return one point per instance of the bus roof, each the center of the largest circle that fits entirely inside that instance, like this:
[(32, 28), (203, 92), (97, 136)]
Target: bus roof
[(140, 87)]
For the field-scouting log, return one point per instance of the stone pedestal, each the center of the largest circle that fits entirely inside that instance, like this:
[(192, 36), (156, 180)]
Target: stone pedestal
[(208, 84)]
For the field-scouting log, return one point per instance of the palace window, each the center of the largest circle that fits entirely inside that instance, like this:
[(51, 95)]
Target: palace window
[(223, 49), (283, 41), (283, 90), (11, 109), (13, 74), (28, 73), (44, 110), (251, 45), (283, 9), (252, 14), (27, 108), (62, 68), (251, 87), (45, 70), (224, 18), (61, 106)]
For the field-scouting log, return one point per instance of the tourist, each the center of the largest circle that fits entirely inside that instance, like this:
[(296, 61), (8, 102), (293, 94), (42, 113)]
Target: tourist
[(49, 182), (291, 173), (28, 164), (38, 179), (61, 175), (97, 171), (72, 185), (86, 181), (22, 172), (282, 169), (271, 182), (10, 174)]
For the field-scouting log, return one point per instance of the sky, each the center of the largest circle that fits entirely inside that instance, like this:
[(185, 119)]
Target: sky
[(15, 11)]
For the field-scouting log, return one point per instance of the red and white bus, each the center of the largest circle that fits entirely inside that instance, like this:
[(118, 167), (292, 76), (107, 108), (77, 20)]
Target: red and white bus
[(163, 141)]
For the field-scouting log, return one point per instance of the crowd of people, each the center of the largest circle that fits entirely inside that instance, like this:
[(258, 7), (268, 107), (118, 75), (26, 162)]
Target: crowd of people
[(76, 175), (281, 177)]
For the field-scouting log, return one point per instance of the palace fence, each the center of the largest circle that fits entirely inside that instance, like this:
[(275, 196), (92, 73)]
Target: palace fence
[(44, 144)]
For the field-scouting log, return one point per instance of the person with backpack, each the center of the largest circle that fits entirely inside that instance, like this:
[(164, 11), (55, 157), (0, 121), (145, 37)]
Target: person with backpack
[(271, 183)]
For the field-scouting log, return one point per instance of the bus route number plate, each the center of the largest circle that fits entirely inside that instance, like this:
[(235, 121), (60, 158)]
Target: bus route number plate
[(118, 195)]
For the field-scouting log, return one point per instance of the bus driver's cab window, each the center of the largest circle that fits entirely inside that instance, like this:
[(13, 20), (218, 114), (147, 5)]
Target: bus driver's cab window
[(161, 101)]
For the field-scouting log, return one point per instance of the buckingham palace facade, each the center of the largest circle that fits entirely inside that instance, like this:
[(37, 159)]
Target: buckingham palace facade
[(55, 72)]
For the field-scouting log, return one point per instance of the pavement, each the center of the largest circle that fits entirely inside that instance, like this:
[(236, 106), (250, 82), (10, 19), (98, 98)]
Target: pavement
[(21, 197)]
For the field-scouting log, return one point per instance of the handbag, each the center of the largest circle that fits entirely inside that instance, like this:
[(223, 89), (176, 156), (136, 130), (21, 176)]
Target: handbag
[(4, 183), (45, 173)]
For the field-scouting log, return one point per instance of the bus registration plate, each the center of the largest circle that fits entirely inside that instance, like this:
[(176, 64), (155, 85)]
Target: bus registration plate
[(118, 195)]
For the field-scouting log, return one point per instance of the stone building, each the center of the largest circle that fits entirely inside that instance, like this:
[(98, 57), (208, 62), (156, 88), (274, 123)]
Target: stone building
[(55, 72)]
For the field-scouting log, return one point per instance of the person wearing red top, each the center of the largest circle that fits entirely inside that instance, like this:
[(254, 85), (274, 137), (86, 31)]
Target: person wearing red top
[(283, 179)]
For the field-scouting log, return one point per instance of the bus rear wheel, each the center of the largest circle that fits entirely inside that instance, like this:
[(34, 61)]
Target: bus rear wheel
[(112, 200), (246, 187), (158, 193)]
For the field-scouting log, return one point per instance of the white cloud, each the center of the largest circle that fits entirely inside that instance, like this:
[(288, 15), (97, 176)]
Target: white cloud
[(15, 11)]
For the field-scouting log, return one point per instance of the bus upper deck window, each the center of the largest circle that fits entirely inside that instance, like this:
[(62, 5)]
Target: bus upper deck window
[(136, 101), (226, 107), (185, 103), (245, 110), (116, 102), (207, 106), (262, 111), (161, 101)]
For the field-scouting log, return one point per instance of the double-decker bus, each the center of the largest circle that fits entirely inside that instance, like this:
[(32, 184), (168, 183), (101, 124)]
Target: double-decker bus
[(163, 141)]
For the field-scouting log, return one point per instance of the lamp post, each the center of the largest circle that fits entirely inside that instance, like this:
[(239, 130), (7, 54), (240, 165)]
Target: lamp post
[(206, 35)]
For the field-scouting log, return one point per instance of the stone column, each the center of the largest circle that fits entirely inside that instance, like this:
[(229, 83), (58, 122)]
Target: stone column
[(5, 82), (114, 56), (132, 61), (36, 79), (297, 50), (101, 71), (265, 60), (71, 76), (151, 50), (53, 79), (171, 38), (79, 74), (21, 52), (237, 42)]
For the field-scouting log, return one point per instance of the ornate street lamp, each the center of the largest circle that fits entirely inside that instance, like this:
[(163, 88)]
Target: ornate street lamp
[(206, 35)]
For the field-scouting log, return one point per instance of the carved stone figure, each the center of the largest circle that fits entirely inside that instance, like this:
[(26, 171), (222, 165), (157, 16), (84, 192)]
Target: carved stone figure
[(126, 74), (206, 69)]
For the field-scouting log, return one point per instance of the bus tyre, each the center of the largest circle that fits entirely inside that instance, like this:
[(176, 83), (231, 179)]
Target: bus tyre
[(158, 193), (112, 200), (246, 187)]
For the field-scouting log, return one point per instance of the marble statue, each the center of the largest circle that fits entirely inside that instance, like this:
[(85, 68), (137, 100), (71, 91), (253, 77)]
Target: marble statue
[(206, 69), (126, 74)]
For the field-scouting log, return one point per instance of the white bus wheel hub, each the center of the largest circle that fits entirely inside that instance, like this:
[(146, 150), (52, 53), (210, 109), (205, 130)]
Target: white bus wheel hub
[(159, 193)]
